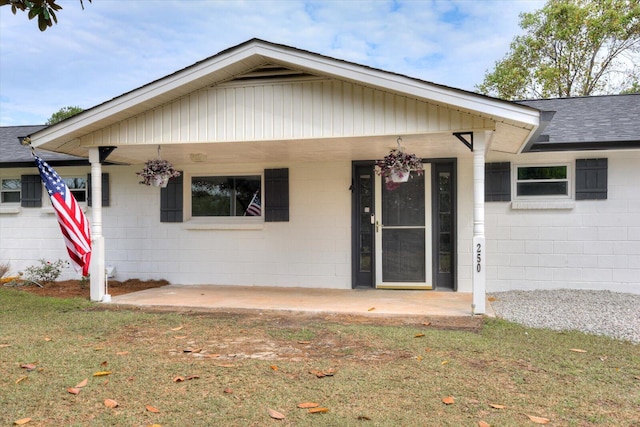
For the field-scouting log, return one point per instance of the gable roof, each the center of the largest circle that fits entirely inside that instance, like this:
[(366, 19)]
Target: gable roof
[(13, 154), (257, 57), (605, 122)]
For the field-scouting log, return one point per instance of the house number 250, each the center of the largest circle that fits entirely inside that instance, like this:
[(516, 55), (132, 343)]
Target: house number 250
[(478, 257)]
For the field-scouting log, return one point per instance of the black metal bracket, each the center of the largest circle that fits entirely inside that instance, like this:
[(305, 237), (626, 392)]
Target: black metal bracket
[(104, 152), (461, 135)]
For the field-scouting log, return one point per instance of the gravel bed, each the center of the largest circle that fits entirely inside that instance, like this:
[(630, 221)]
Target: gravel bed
[(614, 314)]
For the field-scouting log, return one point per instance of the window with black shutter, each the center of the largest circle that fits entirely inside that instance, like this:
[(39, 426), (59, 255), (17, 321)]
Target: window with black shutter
[(105, 189), (497, 182), (31, 191), (591, 179), (171, 200), (276, 186)]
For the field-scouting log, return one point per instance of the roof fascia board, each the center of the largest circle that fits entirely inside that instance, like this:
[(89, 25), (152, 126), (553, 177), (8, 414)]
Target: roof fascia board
[(297, 58)]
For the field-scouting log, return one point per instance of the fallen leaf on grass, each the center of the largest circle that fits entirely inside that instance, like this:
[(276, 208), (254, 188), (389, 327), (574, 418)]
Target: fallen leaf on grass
[(178, 379), (496, 406), (371, 309), (274, 367), (426, 323), (103, 364), (192, 350), (449, 400), (122, 353), (192, 377), (73, 390), (21, 421), (82, 383), (110, 403), (227, 391), (152, 409), (177, 328), (538, 420), (5, 345), (418, 335), (19, 380), (577, 350), (363, 418), (326, 373), (275, 414), (304, 342), (101, 373), (491, 299), (483, 424), (318, 410), (28, 366), (47, 339), (307, 405), (444, 362)]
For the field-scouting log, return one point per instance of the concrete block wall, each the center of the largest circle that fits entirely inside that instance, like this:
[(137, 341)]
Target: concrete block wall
[(593, 245)]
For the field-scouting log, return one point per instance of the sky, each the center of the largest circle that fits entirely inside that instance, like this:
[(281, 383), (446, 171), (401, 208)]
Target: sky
[(114, 46)]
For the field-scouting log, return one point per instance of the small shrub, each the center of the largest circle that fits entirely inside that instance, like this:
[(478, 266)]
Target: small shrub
[(46, 272), (4, 269)]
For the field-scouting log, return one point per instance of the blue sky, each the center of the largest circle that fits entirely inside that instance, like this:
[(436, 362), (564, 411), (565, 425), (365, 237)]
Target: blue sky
[(114, 46)]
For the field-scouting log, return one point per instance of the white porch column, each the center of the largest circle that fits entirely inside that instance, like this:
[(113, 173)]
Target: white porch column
[(96, 269), (481, 142)]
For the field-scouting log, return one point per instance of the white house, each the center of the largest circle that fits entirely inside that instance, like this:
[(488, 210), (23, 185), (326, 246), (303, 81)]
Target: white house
[(301, 132)]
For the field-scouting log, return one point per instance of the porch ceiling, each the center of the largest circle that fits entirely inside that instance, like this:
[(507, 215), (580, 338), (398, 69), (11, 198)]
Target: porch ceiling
[(287, 151)]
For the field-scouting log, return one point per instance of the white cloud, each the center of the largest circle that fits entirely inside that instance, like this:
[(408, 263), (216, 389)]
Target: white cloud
[(112, 47)]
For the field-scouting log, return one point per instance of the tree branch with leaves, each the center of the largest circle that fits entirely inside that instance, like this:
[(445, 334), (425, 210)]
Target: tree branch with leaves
[(571, 48), (45, 10)]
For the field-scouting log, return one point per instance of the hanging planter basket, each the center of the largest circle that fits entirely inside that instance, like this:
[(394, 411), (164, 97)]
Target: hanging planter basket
[(160, 180), (157, 173), (396, 167), (399, 176)]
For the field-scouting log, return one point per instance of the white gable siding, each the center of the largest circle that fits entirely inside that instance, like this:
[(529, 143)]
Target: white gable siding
[(293, 110), (595, 245)]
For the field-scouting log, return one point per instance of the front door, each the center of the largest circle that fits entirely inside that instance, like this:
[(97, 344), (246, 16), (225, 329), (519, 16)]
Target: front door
[(403, 230), (404, 238)]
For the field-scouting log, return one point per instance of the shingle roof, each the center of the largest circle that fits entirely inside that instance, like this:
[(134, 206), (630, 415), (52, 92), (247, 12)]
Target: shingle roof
[(608, 121), (13, 154)]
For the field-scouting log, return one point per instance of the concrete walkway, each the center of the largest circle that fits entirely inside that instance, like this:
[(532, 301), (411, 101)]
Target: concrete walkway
[(374, 302)]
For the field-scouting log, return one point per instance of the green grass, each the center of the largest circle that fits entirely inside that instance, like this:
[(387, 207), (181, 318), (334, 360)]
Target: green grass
[(384, 375)]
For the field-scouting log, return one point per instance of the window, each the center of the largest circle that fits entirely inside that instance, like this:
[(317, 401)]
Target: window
[(78, 187), (10, 190), (537, 181), (226, 196)]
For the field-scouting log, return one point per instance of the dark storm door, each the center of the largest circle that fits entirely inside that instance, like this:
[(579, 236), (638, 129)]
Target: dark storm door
[(363, 226)]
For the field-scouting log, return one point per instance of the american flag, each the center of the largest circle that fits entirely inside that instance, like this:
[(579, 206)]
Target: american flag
[(254, 208), (73, 223)]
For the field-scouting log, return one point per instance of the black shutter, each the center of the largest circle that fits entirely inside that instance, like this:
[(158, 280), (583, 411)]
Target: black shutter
[(591, 179), (105, 189), (497, 182), (276, 191), (31, 191), (171, 200)]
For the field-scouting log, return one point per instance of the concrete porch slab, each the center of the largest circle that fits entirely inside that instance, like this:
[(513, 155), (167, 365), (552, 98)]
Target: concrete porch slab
[(374, 302)]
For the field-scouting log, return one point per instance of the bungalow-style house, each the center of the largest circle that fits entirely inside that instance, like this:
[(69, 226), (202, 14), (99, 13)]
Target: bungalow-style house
[(276, 148)]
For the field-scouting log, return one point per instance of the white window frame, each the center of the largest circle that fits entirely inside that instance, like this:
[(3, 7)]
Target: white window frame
[(569, 180), (46, 200), (221, 222), (19, 191)]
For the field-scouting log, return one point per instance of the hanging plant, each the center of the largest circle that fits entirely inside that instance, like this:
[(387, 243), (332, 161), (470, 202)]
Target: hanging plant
[(396, 167), (157, 173)]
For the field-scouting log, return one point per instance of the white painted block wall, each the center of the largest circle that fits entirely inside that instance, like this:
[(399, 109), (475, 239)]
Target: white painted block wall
[(594, 245)]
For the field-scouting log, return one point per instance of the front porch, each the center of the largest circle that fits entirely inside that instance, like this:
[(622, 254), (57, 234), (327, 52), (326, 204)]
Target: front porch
[(370, 303)]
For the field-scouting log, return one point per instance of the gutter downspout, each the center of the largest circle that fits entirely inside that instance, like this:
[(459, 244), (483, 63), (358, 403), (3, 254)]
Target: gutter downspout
[(97, 268)]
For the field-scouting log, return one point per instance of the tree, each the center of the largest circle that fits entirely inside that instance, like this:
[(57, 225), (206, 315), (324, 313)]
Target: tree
[(571, 48), (63, 113), (45, 10)]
